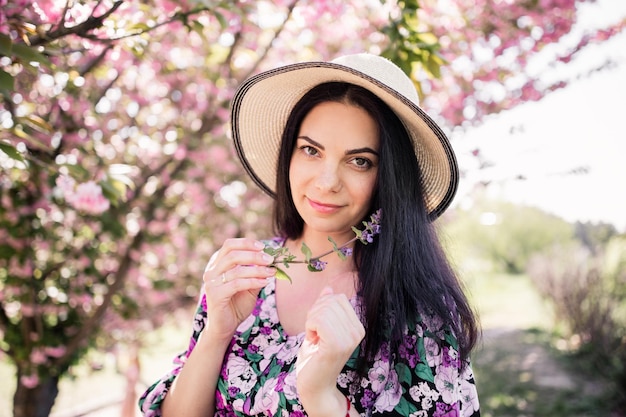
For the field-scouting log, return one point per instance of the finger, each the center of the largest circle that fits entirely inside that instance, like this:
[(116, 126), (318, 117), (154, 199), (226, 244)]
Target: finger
[(311, 323), (234, 258), (235, 254), (235, 245), (248, 271), (241, 285), (229, 289), (243, 243), (262, 273), (215, 281), (332, 318)]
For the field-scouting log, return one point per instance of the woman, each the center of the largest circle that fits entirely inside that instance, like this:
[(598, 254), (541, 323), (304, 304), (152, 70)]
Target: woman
[(384, 328)]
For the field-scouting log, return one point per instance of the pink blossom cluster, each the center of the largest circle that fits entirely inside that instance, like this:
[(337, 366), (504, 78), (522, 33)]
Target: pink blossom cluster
[(11, 9), (40, 356), (489, 45), (86, 197)]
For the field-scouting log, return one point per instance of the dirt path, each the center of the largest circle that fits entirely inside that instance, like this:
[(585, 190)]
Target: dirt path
[(519, 376)]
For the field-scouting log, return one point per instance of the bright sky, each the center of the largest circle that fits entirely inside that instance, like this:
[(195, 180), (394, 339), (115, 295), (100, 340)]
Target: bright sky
[(582, 125)]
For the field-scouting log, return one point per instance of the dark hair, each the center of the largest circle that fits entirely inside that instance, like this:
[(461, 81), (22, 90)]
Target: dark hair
[(404, 273)]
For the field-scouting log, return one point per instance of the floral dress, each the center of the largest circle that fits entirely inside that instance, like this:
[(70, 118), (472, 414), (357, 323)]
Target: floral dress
[(258, 375)]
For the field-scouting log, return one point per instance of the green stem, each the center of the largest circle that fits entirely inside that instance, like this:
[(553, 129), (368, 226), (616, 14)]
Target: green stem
[(298, 261)]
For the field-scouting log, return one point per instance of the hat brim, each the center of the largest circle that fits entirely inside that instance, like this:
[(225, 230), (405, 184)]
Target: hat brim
[(262, 105)]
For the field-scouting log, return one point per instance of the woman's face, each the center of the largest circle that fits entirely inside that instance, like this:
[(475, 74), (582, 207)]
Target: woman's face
[(333, 167)]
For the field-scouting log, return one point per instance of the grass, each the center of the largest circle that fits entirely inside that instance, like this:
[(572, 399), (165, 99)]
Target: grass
[(518, 373)]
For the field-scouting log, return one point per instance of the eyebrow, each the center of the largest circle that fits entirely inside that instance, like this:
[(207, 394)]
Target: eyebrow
[(348, 152)]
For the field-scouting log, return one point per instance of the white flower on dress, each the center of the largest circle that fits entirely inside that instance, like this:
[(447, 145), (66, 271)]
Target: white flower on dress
[(391, 394), (246, 324), (446, 380), (268, 355), (240, 373), (266, 399), (433, 351), (469, 398), (289, 387), (198, 322), (268, 309), (289, 349), (378, 375)]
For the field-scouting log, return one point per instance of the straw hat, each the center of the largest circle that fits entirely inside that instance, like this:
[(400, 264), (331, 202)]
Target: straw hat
[(263, 103)]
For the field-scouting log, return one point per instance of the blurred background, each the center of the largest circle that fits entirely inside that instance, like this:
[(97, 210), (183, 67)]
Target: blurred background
[(118, 181)]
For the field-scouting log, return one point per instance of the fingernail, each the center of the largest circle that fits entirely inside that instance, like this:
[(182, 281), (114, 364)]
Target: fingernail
[(270, 271), (259, 245), (268, 258)]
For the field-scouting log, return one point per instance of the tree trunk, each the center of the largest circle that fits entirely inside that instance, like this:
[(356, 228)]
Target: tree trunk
[(36, 401)]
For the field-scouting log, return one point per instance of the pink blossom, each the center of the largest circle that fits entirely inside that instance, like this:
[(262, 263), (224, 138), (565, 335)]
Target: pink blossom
[(89, 198), (180, 153), (37, 357), (29, 381), (27, 310), (17, 269), (55, 352), (66, 185)]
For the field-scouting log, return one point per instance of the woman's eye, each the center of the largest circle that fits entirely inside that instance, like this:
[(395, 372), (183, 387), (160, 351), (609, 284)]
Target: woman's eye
[(309, 150), (362, 162)]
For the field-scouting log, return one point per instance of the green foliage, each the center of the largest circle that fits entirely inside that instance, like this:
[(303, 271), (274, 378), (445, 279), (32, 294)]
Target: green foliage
[(505, 234), (594, 235), (588, 292), (510, 376), (410, 48)]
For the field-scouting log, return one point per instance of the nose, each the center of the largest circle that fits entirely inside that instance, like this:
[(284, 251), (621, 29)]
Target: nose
[(328, 179)]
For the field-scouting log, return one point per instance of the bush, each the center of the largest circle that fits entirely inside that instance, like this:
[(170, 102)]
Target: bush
[(588, 292), (505, 234)]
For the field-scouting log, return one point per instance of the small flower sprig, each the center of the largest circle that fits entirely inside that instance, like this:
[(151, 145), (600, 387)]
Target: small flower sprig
[(283, 257)]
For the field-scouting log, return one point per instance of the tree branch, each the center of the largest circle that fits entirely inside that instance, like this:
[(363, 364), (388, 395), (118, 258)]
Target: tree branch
[(277, 33), (87, 328), (94, 62), (82, 29)]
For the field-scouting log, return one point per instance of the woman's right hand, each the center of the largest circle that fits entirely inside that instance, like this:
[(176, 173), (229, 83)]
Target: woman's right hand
[(232, 281)]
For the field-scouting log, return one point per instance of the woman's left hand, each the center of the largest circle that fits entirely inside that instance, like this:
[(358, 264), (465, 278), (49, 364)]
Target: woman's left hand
[(332, 332)]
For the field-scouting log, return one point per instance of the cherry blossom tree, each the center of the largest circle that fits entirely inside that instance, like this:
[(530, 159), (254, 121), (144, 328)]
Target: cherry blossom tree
[(118, 179)]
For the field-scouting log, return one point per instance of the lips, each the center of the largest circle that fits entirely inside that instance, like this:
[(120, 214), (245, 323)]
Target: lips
[(323, 207)]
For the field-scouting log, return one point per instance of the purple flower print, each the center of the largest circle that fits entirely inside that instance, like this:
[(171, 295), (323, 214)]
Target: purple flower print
[(368, 399), (449, 358), (411, 356), (447, 410)]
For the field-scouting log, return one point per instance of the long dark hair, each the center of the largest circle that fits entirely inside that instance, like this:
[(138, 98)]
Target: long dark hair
[(405, 273)]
